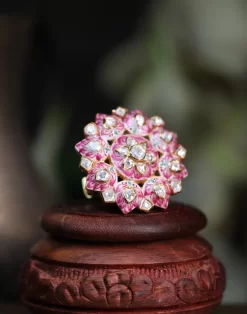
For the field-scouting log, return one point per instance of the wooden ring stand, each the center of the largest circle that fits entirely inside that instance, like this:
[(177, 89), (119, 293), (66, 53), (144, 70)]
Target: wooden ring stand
[(98, 261)]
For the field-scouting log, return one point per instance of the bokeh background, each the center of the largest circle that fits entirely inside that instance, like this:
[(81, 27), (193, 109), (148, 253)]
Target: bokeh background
[(63, 61)]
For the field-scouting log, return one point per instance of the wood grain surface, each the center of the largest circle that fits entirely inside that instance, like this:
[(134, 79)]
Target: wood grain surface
[(122, 254), (102, 222)]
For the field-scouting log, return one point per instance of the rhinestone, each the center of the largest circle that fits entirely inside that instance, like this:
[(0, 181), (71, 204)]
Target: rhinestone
[(131, 141), (109, 195), (102, 175), (138, 152), (167, 136), (141, 167), (150, 157), (123, 150), (176, 186), (157, 121), (181, 152), (140, 119), (128, 163), (91, 129), (94, 146), (86, 163), (146, 205), (160, 190), (120, 111), (174, 165), (129, 194), (110, 122)]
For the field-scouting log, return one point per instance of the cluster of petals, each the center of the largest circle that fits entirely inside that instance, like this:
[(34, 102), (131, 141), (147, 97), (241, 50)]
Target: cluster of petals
[(132, 160)]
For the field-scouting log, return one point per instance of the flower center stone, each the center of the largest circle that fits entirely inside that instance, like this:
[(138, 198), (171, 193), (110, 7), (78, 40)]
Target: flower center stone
[(138, 152)]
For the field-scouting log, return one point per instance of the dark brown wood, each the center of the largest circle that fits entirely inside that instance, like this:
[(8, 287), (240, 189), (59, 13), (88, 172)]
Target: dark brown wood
[(228, 309), (121, 254), (90, 221), (196, 309), (179, 275)]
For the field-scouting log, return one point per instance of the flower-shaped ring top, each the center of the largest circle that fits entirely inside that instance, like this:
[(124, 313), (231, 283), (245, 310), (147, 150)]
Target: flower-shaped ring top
[(132, 160)]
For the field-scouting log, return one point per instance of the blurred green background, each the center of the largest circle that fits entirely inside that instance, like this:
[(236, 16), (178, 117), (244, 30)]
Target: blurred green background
[(61, 62)]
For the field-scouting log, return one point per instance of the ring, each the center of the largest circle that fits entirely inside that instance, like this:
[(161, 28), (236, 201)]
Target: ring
[(131, 160)]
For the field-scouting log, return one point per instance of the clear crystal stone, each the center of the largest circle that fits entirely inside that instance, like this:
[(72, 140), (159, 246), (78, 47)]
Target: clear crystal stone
[(123, 150), (138, 151), (146, 205), (86, 163), (141, 167), (109, 195), (110, 122), (176, 186), (157, 121), (129, 194), (91, 129), (174, 165), (160, 190), (150, 157), (181, 152), (167, 136), (94, 146), (140, 119), (102, 175), (128, 163), (131, 141), (120, 111)]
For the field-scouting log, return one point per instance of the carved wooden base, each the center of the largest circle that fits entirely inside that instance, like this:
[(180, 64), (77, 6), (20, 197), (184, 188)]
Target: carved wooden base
[(161, 277)]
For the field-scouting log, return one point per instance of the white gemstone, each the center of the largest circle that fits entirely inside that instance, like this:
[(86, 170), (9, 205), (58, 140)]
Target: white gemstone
[(174, 165), (157, 121), (120, 111), (102, 175), (94, 146), (91, 129), (110, 122), (160, 190), (146, 205), (167, 136), (86, 163), (128, 163), (150, 157), (129, 194), (181, 152), (138, 151), (140, 119), (123, 150), (176, 186), (131, 141), (141, 167), (109, 195)]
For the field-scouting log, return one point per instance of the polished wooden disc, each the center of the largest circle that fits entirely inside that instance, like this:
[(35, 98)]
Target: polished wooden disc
[(100, 222)]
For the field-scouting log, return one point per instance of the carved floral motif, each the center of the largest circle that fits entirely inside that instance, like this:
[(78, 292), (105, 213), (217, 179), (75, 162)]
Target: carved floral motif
[(170, 285)]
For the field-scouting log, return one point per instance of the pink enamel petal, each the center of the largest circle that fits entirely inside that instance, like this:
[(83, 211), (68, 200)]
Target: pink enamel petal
[(160, 144), (121, 201), (148, 192), (111, 133), (83, 150), (118, 159), (94, 185), (166, 172), (132, 126)]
